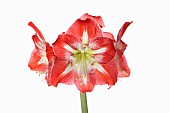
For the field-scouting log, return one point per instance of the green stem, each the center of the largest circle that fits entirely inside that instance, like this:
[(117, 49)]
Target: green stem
[(84, 106)]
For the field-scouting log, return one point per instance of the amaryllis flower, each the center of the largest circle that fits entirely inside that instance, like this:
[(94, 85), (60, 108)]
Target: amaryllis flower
[(84, 56), (120, 46), (42, 53)]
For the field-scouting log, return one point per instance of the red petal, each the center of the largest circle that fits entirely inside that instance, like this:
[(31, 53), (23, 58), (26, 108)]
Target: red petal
[(64, 44), (90, 26), (55, 70), (100, 42), (122, 66), (120, 59), (103, 49), (49, 52), (69, 78), (73, 42), (38, 43), (33, 62), (59, 49), (36, 30), (120, 47), (106, 74), (109, 35), (122, 30), (103, 58), (98, 19), (85, 87)]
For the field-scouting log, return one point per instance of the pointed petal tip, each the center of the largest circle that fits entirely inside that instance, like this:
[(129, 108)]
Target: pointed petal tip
[(127, 23), (30, 23), (123, 75), (122, 30)]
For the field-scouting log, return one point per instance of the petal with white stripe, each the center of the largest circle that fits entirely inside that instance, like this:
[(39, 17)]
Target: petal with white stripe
[(105, 73)]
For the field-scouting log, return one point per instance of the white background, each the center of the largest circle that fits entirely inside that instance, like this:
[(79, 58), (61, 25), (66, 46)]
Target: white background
[(145, 91)]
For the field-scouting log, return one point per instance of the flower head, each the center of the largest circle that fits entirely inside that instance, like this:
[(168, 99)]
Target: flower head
[(84, 57)]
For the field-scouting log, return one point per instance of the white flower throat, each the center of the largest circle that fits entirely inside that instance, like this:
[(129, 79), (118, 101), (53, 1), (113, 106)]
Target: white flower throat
[(83, 60)]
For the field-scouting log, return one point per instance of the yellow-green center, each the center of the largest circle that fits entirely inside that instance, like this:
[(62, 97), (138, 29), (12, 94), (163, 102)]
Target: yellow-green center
[(83, 61)]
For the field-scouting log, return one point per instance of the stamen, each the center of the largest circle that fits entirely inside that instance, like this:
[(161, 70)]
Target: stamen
[(83, 62)]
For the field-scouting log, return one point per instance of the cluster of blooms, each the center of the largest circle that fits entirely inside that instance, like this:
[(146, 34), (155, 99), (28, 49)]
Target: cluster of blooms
[(84, 55)]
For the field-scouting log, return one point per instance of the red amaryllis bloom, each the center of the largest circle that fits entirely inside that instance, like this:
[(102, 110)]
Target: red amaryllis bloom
[(84, 56), (42, 53), (120, 46)]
